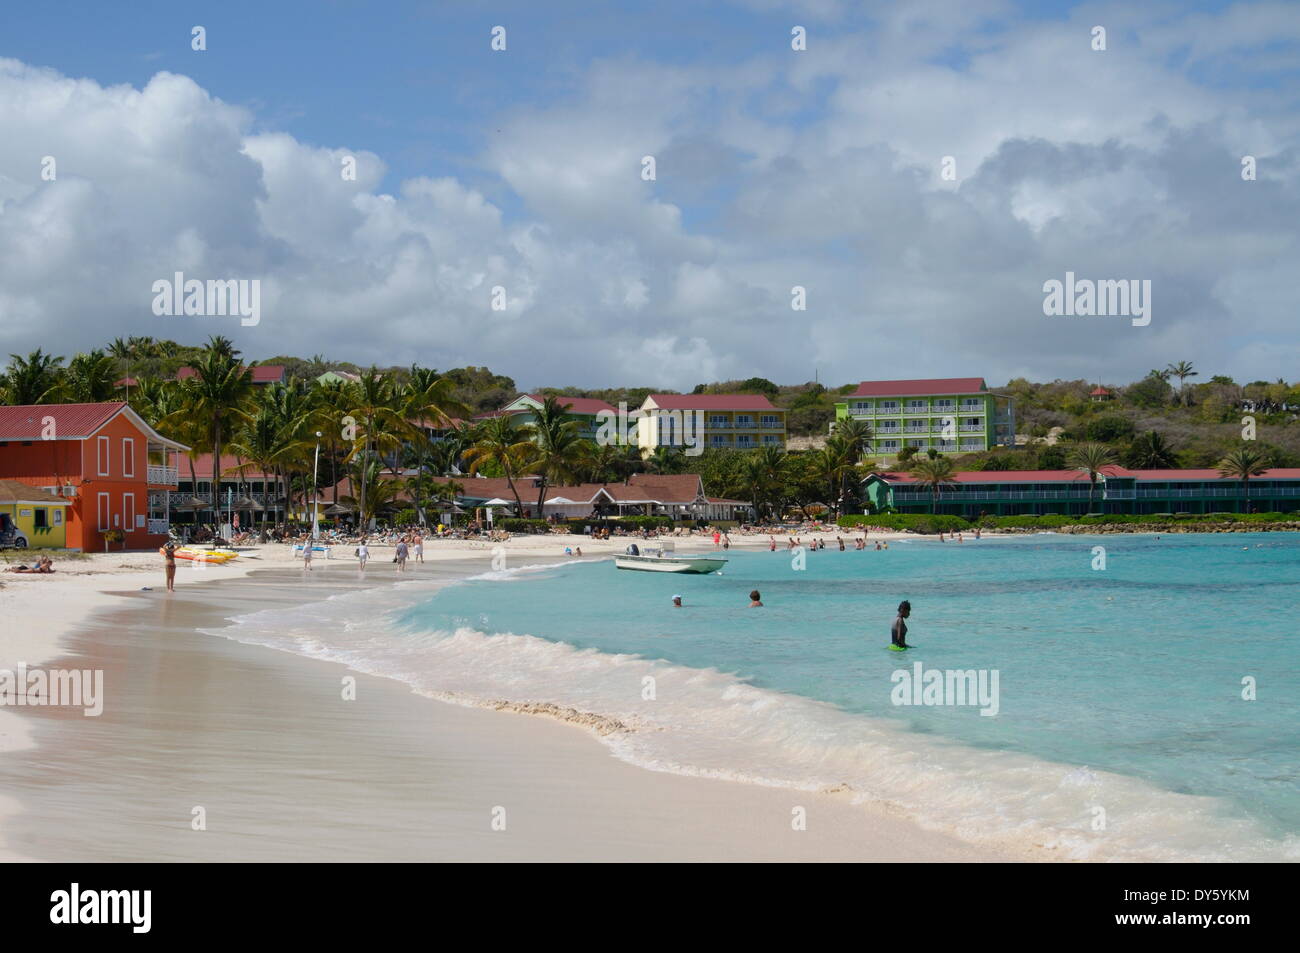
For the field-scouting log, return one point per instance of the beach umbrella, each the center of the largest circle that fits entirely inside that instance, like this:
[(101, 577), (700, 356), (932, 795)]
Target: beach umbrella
[(561, 501), (192, 503), (338, 509), (248, 503)]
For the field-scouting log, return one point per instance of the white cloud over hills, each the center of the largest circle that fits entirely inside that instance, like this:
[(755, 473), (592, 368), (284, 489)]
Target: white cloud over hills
[(1112, 165)]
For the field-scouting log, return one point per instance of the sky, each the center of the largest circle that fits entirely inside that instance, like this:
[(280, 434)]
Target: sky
[(920, 170)]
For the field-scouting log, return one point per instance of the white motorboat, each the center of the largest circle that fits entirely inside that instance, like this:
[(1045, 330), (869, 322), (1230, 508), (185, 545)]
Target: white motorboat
[(662, 558)]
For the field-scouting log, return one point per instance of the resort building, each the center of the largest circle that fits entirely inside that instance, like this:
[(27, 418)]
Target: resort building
[(677, 495), (244, 493), (949, 415), (32, 518), (115, 470), (729, 421), (1067, 492), (584, 410)]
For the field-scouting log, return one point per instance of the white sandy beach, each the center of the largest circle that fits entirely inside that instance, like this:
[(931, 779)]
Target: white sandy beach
[(574, 799)]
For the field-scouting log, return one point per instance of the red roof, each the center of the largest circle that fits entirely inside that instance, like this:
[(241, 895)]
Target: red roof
[(126, 382), (578, 405), (712, 401), (1099, 392), (26, 421), (1061, 476), (229, 462), (920, 388), (262, 374)]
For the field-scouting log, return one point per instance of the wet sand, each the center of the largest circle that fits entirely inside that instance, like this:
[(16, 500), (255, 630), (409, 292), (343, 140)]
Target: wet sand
[(285, 769)]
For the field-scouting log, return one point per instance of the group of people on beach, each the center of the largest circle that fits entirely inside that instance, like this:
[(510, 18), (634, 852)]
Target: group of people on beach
[(410, 546)]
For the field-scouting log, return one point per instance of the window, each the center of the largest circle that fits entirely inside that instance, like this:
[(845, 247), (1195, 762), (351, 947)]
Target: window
[(862, 407), (744, 440), (42, 520), (101, 446), (718, 420), (770, 420), (128, 457), (769, 438), (58, 516), (916, 405), (888, 406), (101, 512), (744, 420), (888, 445), (128, 511)]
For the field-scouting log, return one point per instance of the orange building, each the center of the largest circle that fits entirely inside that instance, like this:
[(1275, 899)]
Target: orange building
[(103, 458)]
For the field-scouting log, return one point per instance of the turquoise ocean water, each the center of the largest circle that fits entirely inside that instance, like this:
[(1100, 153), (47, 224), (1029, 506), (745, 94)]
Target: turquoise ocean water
[(1120, 732)]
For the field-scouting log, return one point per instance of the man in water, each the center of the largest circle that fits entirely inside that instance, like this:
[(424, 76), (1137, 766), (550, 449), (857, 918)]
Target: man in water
[(402, 551), (755, 600), (898, 633), (677, 602)]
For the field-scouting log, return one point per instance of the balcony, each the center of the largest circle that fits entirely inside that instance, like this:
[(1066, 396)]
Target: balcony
[(162, 476), (971, 428)]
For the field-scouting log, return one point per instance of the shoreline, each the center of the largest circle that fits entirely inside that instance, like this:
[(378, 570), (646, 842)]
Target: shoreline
[(697, 810)]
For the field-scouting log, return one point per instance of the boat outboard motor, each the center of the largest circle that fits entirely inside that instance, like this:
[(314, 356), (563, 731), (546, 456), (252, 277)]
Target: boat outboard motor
[(632, 550)]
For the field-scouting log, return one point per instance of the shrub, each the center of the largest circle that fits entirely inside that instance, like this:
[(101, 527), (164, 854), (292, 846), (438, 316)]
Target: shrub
[(908, 522), (513, 524)]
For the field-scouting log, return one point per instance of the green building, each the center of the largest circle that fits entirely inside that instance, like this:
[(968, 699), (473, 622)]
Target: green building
[(1068, 492), (949, 415)]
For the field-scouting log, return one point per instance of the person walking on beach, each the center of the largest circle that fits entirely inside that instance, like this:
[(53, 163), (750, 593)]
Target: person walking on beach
[(419, 548), (898, 632), (363, 554), (169, 564), (755, 600), (306, 554), (400, 558), (771, 544)]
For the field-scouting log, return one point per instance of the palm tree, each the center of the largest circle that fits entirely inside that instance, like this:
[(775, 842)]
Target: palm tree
[(429, 400), (31, 379), (764, 475), (218, 394), (374, 404), (1092, 459), (1182, 370), (559, 447), (89, 379), (833, 464), (934, 472), (501, 442), (1242, 464), (856, 433), (1150, 451), (263, 441)]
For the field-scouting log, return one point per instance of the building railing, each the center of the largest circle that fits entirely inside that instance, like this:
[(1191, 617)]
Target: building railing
[(166, 476), (1101, 493)]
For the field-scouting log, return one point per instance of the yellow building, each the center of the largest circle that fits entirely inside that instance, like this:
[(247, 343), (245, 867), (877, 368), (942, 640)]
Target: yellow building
[(30, 518), (731, 421)]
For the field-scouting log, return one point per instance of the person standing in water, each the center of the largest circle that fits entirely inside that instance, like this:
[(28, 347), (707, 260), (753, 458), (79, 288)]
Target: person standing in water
[(755, 600), (898, 633), (363, 554)]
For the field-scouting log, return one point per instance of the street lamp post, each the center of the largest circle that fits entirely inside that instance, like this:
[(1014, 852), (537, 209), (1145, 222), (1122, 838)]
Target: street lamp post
[(315, 467)]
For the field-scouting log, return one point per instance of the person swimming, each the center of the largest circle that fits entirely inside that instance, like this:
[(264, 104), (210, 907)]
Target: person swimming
[(898, 632), (677, 602), (755, 600)]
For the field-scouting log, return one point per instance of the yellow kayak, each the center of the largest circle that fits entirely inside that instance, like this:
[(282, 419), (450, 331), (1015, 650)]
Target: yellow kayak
[(205, 555)]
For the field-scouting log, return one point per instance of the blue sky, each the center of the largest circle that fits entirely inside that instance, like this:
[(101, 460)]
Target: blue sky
[(775, 169)]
